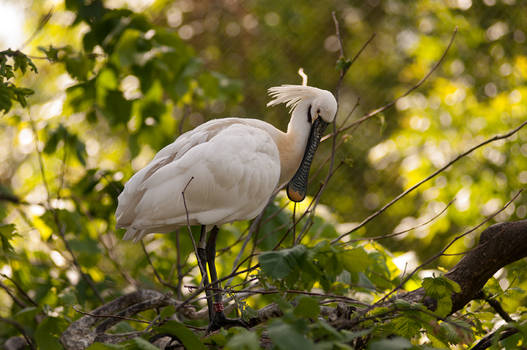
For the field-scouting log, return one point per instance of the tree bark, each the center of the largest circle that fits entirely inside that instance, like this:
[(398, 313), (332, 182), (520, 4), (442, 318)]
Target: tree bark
[(499, 245)]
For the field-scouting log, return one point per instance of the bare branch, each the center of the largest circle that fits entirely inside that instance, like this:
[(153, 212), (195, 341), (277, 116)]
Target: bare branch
[(81, 333)]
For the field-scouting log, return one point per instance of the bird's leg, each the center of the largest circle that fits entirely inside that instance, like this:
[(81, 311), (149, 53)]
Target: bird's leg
[(218, 313), (202, 263), (219, 320)]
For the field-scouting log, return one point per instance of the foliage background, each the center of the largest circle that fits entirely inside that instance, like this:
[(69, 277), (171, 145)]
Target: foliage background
[(118, 80)]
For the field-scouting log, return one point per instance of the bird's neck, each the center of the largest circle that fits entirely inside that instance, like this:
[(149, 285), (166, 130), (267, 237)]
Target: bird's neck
[(293, 143), (299, 126)]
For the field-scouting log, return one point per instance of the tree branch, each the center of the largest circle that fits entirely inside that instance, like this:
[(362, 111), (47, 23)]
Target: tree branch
[(499, 245)]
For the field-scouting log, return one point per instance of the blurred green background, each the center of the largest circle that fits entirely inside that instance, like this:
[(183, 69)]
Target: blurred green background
[(112, 90)]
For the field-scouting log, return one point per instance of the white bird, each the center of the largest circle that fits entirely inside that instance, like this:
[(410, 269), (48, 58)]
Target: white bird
[(226, 170)]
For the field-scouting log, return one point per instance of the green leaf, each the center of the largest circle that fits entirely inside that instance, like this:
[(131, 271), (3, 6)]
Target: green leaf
[(79, 66), (286, 337), (48, 333), (117, 109), (397, 343), (278, 264), (343, 64), (308, 307), (441, 289), (406, 326), (126, 49), (7, 232), (80, 151), (349, 336), (141, 344), (444, 306), (185, 335), (101, 346), (273, 265), (167, 312), (244, 340), (355, 260), (438, 287)]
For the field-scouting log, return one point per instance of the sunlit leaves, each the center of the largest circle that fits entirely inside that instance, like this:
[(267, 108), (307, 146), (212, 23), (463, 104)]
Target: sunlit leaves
[(7, 232), (10, 62), (69, 140), (79, 65), (279, 264), (355, 260), (441, 289), (132, 84)]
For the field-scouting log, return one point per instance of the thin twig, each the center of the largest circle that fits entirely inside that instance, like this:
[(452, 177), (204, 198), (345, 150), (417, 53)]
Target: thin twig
[(434, 257), (60, 226), (188, 220), (42, 22), (287, 291), (431, 176), (409, 91), (201, 289), (20, 289), (16, 299), (377, 238), (21, 329), (158, 276), (111, 316)]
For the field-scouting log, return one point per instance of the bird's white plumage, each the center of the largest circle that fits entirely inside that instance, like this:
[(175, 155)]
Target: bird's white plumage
[(231, 169), (292, 95), (226, 168)]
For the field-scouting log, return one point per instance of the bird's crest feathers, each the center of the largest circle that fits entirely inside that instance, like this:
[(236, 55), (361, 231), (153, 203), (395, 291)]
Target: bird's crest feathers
[(291, 95)]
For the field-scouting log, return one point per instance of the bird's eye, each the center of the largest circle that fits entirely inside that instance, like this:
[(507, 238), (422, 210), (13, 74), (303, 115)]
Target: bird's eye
[(309, 118), (318, 111)]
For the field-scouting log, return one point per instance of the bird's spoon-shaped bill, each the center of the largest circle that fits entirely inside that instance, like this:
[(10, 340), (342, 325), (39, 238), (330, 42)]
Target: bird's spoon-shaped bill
[(297, 187)]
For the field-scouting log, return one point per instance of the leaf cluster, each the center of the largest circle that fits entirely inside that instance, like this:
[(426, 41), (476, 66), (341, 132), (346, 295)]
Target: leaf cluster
[(12, 61)]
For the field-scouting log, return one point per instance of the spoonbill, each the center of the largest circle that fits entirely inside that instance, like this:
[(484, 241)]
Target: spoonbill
[(226, 170)]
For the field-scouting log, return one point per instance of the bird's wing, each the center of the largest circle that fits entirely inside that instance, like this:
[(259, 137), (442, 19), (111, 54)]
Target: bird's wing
[(230, 176), (133, 190)]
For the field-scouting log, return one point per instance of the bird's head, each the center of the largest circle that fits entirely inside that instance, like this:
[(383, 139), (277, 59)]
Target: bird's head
[(324, 106), (321, 108), (320, 103)]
